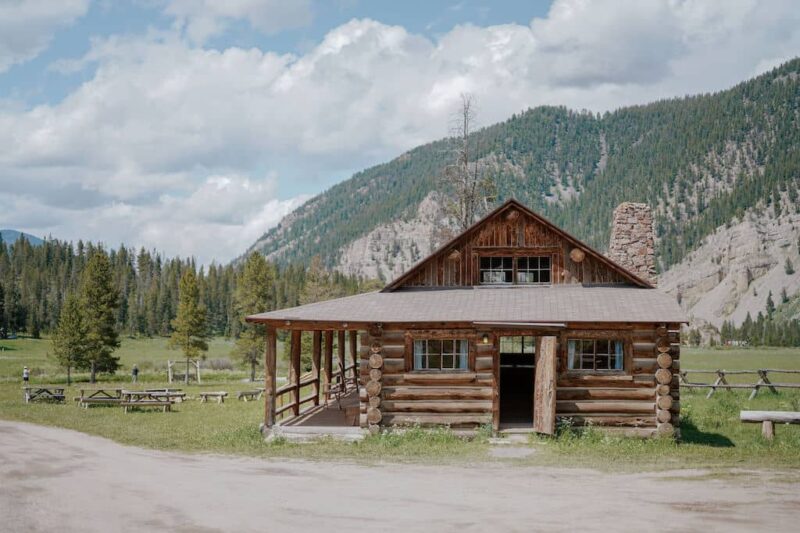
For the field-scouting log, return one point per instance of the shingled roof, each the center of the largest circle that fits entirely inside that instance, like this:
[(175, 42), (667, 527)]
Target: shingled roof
[(550, 304)]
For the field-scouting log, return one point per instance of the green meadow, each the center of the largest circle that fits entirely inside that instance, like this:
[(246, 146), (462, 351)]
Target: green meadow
[(712, 436)]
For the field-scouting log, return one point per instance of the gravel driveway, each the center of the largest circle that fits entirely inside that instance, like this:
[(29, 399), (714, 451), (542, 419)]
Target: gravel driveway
[(60, 480)]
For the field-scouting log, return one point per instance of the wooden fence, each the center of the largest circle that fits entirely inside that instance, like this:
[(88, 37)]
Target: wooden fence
[(722, 383)]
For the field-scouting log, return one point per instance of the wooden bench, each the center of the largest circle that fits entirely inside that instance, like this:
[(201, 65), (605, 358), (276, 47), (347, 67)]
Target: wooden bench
[(768, 419), (165, 404), (44, 393), (250, 394), (219, 395)]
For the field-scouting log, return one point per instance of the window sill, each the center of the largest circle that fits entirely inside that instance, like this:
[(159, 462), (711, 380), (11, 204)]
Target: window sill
[(619, 375)]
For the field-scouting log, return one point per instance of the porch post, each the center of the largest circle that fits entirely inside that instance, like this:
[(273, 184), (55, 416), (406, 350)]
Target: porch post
[(269, 378), (294, 371), (340, 352), (328, 364), (354, 356), (316, 356)]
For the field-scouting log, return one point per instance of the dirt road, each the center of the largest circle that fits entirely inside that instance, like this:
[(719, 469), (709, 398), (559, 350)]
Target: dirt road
[(59, 480)]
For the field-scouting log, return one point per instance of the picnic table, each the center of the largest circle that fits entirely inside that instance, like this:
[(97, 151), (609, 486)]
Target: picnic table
[(219, 395), (176, 395), (44, 393), (131, 399), (103, 396)]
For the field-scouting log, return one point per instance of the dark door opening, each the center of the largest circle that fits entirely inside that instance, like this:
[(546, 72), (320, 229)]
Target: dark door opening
[(517, 364)]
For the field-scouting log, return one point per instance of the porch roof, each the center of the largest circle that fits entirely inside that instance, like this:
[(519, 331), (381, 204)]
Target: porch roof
[(556, 303)]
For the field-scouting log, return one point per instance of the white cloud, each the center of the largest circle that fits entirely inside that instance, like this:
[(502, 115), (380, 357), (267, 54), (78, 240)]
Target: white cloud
[(201, 19), (26, 26), (164, 127)]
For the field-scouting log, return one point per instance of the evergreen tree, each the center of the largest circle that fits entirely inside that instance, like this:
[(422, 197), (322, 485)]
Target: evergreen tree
[(2, 308), (770, 305), (189, 328), (100, 299), (784, 296), (788, 267), (70, 339), (254, 294)]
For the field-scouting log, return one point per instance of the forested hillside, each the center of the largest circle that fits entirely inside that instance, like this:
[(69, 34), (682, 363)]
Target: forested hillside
[(35, 280), (700, 161)]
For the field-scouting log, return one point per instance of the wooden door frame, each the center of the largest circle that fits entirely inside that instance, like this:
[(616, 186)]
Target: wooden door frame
[(536, 334)]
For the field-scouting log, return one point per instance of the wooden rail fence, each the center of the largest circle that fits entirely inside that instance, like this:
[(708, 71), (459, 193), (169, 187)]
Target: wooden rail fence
[(722, 383)]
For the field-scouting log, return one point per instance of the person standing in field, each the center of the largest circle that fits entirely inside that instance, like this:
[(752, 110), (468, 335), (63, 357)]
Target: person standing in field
[(26, 375), (135, 374)]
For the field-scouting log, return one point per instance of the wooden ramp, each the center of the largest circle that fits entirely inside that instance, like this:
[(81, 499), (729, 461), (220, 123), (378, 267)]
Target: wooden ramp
[(330, 416)]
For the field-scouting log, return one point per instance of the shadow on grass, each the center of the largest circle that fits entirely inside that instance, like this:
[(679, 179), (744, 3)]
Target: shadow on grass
[(690, 433)]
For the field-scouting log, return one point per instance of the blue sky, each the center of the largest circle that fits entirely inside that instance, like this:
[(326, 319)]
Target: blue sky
[(193, 126)]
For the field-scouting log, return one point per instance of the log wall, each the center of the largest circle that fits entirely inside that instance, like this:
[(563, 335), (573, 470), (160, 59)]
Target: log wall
[(643, 400)]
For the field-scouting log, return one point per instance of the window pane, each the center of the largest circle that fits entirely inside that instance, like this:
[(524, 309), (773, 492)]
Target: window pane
[(485, 263), (448, 361), (587, 362), (587, 347), (529, 345), (434, 361), (447, 347), (602, 347), (601, 362), (434, 347), (507, 276), (544, 276), (544, 262), (419, 352), (516, 344)]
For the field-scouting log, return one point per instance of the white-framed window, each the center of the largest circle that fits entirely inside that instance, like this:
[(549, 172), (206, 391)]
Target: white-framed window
[(497, 270), (531, 270), (441, 354), (594, 354)]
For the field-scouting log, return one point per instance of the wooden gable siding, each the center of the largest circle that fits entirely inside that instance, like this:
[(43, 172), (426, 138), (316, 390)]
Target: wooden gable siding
[(511, 232)]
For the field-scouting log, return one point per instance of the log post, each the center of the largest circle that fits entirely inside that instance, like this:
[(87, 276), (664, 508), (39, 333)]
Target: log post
[(372, 418), (270, 356), (666, 419), (340, 351), (316, 359), (294, 370), (327, 364), (544, 390), (768, 429), (354, 356)]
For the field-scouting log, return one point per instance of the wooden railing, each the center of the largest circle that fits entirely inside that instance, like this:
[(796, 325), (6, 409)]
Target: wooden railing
[(284, 405), (722, 383)]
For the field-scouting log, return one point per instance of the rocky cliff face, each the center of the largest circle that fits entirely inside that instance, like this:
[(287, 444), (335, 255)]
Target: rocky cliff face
[(734, 270), (390, 249)]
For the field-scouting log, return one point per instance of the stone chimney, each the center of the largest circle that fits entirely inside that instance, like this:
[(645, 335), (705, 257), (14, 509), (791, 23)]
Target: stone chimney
[(632, 240)]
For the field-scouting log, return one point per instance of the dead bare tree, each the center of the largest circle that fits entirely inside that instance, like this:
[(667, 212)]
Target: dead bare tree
[(472, 187)]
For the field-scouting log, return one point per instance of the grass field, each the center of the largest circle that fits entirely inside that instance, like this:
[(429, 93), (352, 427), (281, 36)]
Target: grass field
[(712, 435)]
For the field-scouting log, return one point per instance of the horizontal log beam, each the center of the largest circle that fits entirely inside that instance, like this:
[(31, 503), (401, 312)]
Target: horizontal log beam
[(441, 406), (581, 393), (603, 406), (437, 393)]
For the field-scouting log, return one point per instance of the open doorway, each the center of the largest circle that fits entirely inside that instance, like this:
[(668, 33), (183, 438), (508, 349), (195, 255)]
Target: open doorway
[(517, 371)]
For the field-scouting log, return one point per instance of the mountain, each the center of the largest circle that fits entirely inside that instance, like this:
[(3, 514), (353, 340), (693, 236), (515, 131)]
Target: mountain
[(721, 171), (11, 236)]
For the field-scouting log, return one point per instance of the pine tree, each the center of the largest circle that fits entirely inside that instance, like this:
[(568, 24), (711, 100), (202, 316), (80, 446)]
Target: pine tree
[(100, 299), (70, 338), (784, 296), (770, 305), (2, 307), (253, 295), (788, 267), (190, 329)]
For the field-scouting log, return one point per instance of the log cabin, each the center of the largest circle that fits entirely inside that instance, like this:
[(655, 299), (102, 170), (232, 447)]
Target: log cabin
[(513, 324)]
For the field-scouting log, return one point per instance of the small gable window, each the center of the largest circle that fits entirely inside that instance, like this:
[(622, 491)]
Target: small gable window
[(526, 270), (594, 354), (497, 270), (533, 270), (447, 354)]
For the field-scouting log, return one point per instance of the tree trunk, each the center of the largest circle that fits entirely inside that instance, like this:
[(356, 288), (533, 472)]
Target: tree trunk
[(93, 372), (186, 376), (252, 371), (69, 378)]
